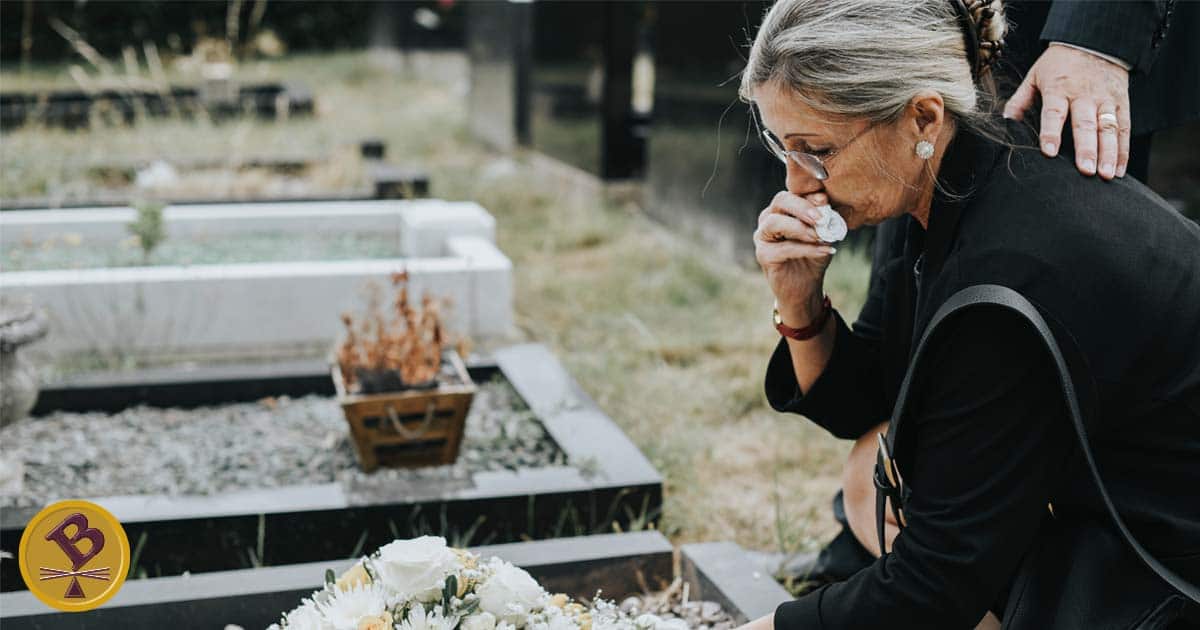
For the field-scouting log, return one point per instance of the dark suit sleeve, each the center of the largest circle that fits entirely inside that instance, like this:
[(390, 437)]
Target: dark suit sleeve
[(981, 451), (1127, 29)]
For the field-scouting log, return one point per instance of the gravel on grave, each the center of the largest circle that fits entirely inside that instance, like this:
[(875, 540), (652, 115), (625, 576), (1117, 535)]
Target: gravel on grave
[(675, 603), (269, 443)]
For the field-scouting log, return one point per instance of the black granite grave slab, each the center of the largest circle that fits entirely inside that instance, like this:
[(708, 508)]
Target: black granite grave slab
[(606, 483), (577, 566)]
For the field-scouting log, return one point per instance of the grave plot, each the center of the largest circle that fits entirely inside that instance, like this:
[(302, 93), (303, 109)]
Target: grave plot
[(238, 280), (344, 174), (253, 484), (75, 109), (716, 587)]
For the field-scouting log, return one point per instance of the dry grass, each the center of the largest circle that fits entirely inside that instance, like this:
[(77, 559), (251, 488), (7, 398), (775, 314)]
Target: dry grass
[(673, 345)]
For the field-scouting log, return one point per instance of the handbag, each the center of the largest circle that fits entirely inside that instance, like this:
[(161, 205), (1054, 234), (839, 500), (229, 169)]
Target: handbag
[(1082, 571)]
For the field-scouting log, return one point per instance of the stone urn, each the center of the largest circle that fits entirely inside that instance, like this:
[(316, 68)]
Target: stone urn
[(20, 324)]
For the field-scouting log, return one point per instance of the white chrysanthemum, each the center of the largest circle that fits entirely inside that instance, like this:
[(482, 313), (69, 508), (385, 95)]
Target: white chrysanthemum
[(551, 617), (646, 621), (418, 619), (606, 616), (553, 623), (305, 617), (612, 623), (560, 621), (416, 568), (344, 609), (479, 621)]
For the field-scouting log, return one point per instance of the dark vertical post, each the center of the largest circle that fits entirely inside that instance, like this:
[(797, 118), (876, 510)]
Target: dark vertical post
[(521, 27), (621, 154)]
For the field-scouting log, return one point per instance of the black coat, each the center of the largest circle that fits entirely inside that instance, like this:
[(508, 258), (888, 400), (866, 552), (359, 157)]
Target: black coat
[(988, 445)]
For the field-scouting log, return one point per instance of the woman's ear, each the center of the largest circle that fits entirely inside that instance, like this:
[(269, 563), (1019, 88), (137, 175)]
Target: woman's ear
[(927, 113)]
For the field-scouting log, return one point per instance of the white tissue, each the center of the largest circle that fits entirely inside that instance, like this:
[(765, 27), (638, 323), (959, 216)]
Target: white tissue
[(832, 227)]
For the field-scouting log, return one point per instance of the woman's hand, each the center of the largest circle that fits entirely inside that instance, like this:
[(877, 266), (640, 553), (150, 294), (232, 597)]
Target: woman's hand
[(791, 255)]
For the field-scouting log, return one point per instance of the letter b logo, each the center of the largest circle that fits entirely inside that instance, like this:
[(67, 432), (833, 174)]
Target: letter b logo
[(74, 555)]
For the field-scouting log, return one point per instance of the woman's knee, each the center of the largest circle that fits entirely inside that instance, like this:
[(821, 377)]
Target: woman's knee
[(857, 479), (858, 487)]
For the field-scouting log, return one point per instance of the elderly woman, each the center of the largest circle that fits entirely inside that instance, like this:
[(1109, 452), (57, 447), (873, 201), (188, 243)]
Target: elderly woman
[(878, 110)]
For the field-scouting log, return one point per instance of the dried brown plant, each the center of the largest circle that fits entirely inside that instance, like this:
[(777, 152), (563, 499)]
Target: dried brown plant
[(410, 343)]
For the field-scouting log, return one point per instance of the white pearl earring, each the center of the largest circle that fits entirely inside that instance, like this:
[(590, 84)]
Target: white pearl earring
[(924, 149)]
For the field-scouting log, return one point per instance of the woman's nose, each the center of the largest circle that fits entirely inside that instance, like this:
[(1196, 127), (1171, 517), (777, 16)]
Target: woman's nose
[(800, 181)]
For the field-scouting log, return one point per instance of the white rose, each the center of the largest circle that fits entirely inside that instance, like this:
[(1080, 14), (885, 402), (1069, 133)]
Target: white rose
[(416, 568), (480, 621), (510, 594)]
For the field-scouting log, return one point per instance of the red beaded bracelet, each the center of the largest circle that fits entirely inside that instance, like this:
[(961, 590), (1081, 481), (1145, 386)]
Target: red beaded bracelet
[(808, 332)]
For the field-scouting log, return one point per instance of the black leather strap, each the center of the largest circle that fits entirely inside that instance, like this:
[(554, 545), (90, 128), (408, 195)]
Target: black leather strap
[(881, 498), (1007, 298)]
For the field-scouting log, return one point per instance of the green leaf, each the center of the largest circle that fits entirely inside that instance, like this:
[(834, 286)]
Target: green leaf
[(330, 578), (448, 592)]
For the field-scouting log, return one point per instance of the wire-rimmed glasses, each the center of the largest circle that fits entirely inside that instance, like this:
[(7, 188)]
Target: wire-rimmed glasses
[(814, 164)]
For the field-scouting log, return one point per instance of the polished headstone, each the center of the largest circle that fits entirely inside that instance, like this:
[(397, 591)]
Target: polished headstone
[(498, 45)]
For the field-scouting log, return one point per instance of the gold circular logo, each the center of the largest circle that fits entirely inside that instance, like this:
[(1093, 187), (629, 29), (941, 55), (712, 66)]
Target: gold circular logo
[(74, 555)]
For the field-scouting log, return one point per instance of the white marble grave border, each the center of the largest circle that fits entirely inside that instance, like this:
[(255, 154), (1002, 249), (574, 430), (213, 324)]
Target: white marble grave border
[(277, 308)]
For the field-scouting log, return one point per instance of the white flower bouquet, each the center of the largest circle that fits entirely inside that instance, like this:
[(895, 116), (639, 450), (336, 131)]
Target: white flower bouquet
[(422, 584)]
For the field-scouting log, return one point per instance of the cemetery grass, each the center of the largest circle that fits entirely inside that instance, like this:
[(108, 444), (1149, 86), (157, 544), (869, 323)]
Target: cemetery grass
[(670, 342)]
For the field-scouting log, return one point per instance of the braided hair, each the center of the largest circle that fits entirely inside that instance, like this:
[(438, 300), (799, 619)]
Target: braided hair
[(984, 28)]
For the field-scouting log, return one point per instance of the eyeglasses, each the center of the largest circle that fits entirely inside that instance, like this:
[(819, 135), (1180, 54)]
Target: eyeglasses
[(814, 164)]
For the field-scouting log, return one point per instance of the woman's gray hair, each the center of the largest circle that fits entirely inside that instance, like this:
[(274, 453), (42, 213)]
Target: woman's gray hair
[(868, 58)]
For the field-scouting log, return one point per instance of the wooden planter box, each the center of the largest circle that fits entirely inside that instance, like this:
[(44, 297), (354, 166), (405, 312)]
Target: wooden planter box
[(409, 428)]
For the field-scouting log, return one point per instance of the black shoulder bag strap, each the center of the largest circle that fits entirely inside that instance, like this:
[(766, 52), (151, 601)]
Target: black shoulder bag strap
[(887, 478)]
